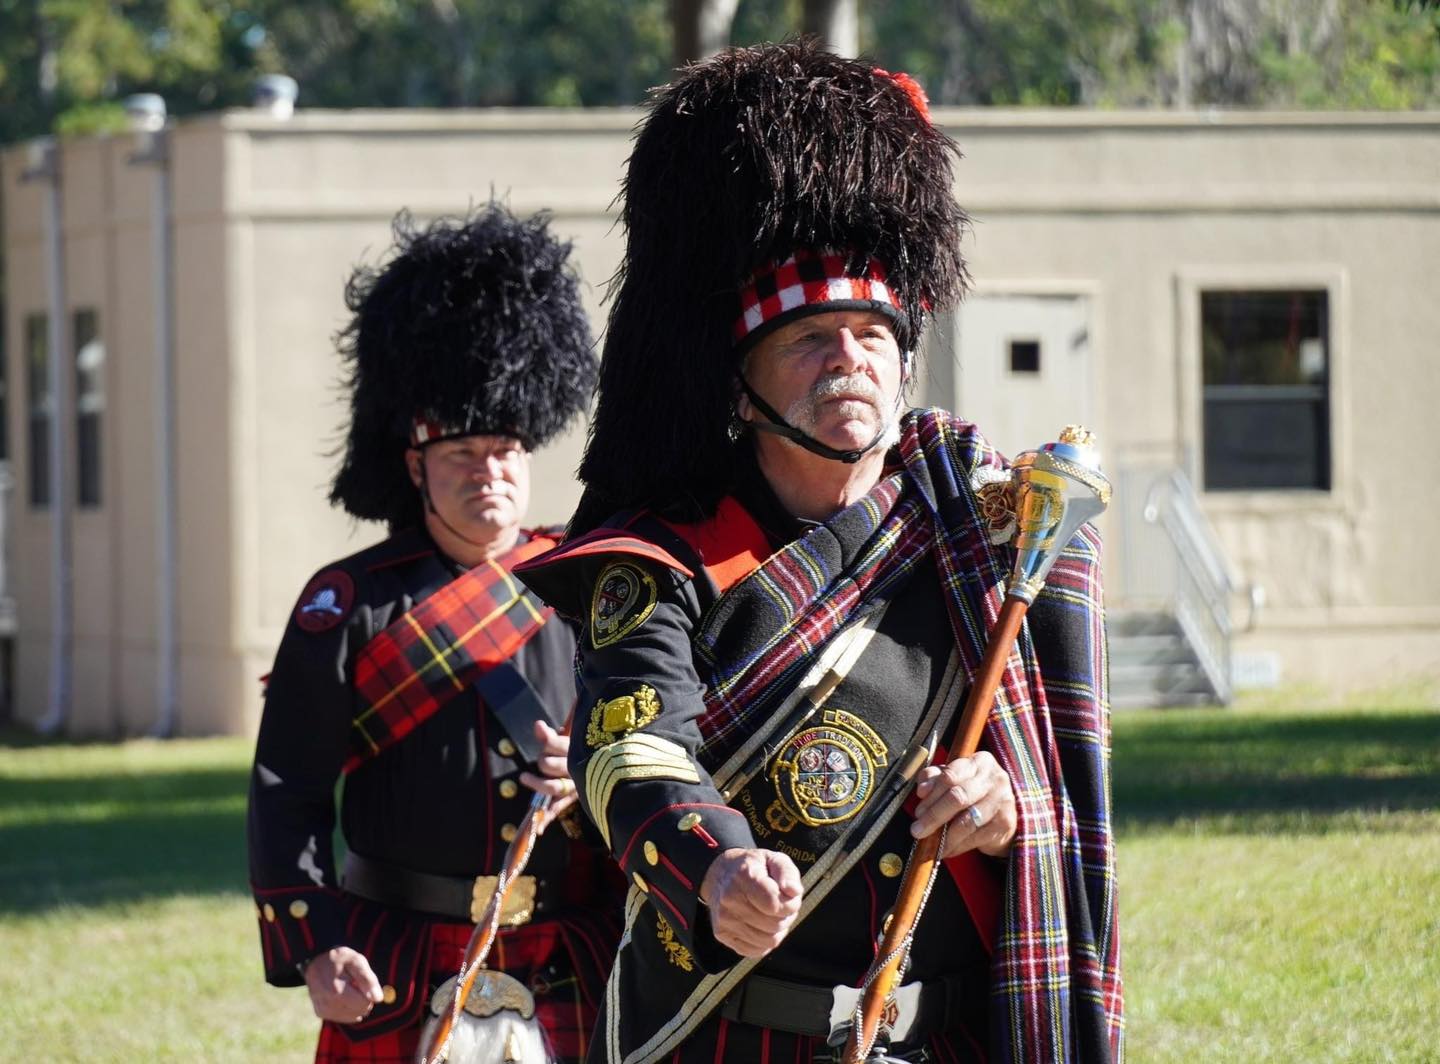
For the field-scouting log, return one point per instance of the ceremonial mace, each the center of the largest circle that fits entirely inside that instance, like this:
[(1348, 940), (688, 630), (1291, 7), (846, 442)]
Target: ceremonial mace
[(1057, 489), (517, 855)]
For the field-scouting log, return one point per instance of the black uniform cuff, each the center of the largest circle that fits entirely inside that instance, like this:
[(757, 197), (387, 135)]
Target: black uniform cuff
[(296, 923), (667, 858)]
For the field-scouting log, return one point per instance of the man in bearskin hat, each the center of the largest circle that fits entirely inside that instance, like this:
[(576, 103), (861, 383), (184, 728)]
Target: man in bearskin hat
[(423, 674), (785, 583)]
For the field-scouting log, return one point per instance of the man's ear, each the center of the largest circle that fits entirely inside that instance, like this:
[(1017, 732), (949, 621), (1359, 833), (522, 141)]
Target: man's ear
[(744, 409), (415, 465)]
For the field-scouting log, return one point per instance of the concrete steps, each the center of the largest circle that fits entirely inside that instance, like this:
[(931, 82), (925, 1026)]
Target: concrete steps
[(1152, 664)]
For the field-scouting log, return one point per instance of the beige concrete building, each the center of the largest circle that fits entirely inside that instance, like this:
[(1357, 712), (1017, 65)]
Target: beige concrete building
[(1240, 299)]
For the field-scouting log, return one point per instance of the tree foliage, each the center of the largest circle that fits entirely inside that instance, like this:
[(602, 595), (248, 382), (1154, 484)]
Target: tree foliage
[(67, 63), (1166, 53)]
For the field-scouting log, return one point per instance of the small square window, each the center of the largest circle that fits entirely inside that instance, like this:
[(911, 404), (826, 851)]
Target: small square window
[(1024, 356)]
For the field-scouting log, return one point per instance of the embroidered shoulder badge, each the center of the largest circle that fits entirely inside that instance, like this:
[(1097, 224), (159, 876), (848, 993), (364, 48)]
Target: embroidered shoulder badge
[(326, 601), (625, 596), (616, 717), (996, 493)]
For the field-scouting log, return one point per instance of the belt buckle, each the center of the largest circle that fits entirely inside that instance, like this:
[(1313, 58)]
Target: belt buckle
[(518, 907), (897, 1020)]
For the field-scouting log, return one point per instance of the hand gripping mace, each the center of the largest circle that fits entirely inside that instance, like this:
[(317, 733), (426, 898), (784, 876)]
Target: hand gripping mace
[(437, 1047), (1057, 489)]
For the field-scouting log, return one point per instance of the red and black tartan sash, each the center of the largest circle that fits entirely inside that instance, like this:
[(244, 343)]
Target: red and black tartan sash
[(439, 648)]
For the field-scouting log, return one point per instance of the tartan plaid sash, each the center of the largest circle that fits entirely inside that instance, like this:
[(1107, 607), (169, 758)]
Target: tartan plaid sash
[(1056, 973), (440, 647)]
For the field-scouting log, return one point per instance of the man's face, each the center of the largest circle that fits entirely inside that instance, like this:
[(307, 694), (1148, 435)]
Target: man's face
[(835, 376), (480, 485)]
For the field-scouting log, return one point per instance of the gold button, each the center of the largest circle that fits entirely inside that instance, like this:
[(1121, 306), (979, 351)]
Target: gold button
[(689, 822), (506, 747), (298, 908), (387, 993), (891, 865), (640, 882), (509, 788), (652, 853), (269, 913), (508, 831)]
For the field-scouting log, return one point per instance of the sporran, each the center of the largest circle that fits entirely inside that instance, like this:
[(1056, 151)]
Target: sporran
[(496, 1026)]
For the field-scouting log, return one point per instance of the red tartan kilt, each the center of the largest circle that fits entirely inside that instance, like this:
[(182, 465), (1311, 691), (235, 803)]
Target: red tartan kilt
[(522, 952)]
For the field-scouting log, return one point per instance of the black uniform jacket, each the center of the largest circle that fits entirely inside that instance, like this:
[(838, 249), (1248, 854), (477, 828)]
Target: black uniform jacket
[(666, 821), (441, 800)]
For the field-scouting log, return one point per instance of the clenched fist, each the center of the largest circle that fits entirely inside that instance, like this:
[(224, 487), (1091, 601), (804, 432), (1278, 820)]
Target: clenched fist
[(754, 897)]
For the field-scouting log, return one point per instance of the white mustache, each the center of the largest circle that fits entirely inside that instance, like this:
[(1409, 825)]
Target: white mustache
[(805, 411), (858, 386)]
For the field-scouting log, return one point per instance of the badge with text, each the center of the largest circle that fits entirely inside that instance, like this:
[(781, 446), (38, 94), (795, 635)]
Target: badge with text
[(826, 772), (624, 597), (326, 601)]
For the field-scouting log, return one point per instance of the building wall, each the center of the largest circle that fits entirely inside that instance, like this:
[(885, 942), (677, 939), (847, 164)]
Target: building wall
[(1132, 215), (106, 249), (1146, 211)]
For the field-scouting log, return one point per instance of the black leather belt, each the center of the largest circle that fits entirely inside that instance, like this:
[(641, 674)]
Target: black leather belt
[(458, 897), (819, 1011)]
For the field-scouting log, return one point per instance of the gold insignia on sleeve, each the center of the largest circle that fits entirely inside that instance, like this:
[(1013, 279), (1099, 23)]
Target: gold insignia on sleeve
[(616, 717), (625, 596), (675, 953)]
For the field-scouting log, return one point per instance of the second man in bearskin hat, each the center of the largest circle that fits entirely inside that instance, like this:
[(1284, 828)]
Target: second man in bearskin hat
[(425, 676), (786, 580)]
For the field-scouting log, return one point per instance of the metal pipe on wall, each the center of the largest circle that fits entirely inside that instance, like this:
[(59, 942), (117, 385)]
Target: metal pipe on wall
[(44, 165), (148, 117)]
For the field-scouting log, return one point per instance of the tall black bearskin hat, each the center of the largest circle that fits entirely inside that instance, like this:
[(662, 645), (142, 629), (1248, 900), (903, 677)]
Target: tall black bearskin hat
[(473, 327), (745, 161)]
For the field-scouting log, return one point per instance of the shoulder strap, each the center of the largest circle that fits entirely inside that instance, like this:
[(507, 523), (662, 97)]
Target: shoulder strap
[(440, 648)]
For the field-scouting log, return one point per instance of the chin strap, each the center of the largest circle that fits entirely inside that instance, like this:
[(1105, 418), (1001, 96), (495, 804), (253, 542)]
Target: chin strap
[(780, 427)]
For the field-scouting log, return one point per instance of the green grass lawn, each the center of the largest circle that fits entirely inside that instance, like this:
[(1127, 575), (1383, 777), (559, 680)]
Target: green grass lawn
[(1280, 894)]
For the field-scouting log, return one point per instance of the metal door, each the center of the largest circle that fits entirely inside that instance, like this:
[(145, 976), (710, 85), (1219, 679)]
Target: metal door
[(1021, 366)]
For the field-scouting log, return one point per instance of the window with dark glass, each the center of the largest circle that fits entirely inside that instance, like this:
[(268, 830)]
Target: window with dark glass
[(1024, 356), (38, 412), (89, 405), (1266, 359)]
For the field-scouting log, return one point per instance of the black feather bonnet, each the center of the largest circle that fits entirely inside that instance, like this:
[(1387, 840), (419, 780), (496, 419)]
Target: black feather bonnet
[(474, 324), (743, 160)]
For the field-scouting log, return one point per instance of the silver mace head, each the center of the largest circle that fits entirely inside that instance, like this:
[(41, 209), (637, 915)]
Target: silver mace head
[(1058, 487)]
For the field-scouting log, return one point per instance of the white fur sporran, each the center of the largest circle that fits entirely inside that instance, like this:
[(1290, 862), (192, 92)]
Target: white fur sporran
[(496, 1026)]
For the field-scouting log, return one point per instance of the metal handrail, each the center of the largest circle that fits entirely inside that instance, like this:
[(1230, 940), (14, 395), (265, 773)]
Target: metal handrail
[(1205, 581)]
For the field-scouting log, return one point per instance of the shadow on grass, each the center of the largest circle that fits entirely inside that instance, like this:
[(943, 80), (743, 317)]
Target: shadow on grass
[(1258, 772), (120, 836)]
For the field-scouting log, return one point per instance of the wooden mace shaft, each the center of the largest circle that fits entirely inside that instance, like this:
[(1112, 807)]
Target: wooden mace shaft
[(517, 856), (926, 851), (483, 937)]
